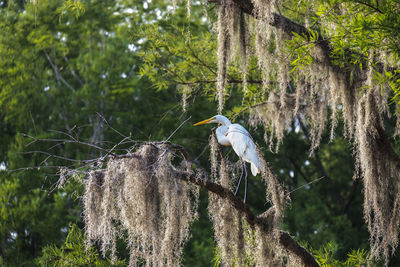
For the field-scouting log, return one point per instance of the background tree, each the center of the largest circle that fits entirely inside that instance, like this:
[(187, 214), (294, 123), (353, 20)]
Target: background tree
[(57, 73)]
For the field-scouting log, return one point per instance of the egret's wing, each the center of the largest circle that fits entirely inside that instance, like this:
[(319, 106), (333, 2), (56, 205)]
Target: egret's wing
[(243, 145), (239, 138)]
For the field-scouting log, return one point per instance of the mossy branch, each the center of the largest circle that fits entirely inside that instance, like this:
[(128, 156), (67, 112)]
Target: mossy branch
[(264, 220), (283, 23)]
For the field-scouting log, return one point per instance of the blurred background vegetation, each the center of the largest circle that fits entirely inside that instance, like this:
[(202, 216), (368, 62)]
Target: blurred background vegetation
[(66, 65)]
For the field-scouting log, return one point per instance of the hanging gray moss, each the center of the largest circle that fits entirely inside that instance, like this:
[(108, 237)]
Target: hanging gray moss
[(238, 243), (140, 199), (320, 95)]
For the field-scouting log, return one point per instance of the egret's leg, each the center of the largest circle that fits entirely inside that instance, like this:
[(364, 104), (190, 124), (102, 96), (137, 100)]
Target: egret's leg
[(240, 180), (245, 182)]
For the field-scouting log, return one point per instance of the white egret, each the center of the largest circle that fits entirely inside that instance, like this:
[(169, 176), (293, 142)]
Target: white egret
[(238, 137)]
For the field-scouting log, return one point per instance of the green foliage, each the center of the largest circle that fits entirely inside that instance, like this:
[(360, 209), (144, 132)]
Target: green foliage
[(359, 29), (325, 256), (301, 51), (217, 257), (74, 6), (174, 55), (74, 253)]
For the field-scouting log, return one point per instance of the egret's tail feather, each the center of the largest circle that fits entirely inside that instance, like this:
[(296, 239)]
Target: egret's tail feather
[(254, 169)]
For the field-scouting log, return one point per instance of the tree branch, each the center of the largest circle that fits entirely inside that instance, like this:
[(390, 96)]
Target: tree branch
[(263, 221), (74, 73), (57, 72), (298, 169), (351, 196), (74, 141), (283, 23), (375, 8)]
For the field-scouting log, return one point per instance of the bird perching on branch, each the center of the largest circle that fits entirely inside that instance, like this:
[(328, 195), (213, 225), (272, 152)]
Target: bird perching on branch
[(238, 137)]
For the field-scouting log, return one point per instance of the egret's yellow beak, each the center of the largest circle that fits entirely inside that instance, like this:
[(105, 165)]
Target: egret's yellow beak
[(204, 122)]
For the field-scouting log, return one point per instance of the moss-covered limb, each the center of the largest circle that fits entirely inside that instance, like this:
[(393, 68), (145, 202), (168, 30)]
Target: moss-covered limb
[(287, 241), (135, 195), (290, 27), (264, 222), (222, 192), (137, 187), (283, 23)]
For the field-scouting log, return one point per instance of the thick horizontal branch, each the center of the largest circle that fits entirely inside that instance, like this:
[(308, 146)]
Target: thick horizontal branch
[(263, 221), (290, 27), (284, 238), (285, 24)]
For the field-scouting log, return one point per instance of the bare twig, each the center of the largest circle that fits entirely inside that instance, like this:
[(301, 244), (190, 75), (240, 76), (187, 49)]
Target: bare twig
[(202, 152), (57, 72), (74, 141), (64, 133), (115, 130), (304, 185), (110, 152), (58, 157), (74, 73), (33, 168), (169, 137)]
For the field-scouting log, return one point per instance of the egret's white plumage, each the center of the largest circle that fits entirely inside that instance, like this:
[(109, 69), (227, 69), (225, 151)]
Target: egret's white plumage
[(238, 137)]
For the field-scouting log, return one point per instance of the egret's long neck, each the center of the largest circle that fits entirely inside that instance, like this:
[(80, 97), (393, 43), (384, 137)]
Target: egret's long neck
[(224, 121), (221, 135)]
